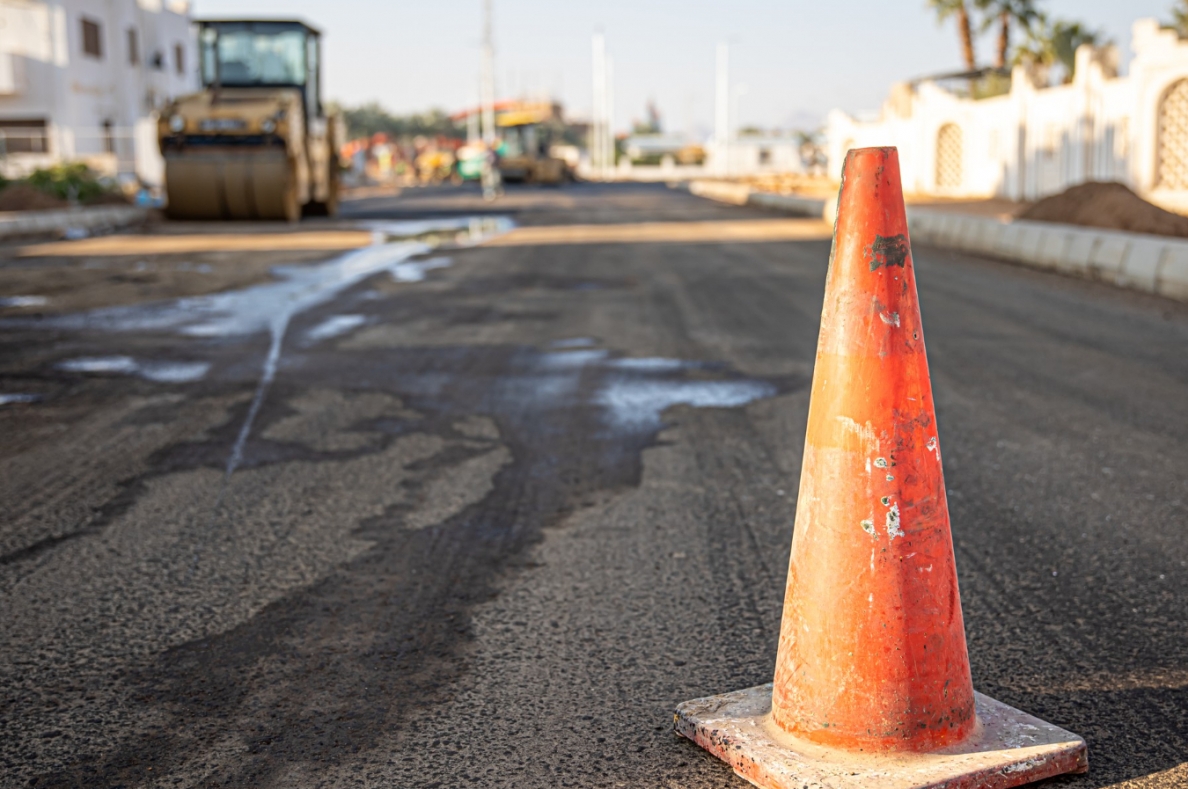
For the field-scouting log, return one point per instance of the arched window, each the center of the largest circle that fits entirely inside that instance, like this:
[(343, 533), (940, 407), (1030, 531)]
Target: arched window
[(1171, 171), (948, 157)]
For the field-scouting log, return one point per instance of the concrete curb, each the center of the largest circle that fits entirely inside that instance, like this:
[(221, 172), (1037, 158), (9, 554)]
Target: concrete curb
[(1152, 264), (722, 191), (32, 223), (741, 194)]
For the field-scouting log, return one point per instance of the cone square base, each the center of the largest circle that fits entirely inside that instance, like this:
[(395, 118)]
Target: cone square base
[(1010, 748)]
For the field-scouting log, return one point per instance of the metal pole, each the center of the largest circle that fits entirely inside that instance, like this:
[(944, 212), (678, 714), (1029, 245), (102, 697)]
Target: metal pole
[(598, 108), (472, 121), (488, 78), (610, 117), (492, 185), (722, 109)]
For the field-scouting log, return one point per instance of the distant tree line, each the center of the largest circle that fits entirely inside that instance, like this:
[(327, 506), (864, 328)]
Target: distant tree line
[(372, 118)]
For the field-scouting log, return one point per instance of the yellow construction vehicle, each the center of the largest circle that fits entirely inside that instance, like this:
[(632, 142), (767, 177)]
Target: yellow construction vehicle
[(527, 133), (255, 143)]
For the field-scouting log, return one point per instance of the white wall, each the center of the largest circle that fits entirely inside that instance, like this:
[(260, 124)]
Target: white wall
[(743, 156), (1034, 141)]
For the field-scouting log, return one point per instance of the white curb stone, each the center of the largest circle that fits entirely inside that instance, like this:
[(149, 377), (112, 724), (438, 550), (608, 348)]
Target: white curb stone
[(1140, 261)]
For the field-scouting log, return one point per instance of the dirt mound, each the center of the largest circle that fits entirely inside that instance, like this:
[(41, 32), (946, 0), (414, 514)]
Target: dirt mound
[(1107, 205), (23, 197)]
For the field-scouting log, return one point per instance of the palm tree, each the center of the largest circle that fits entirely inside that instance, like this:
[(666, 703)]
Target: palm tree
[(1037, 47), (1066, 38), (1049, 42), (1005, 14), (1179, 20), (956, 8)]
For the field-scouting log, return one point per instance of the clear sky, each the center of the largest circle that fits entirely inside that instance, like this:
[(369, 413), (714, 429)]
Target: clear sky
[(796, 59)]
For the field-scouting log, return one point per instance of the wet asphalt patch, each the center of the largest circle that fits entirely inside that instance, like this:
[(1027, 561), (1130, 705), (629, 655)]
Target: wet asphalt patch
[(383, 633)]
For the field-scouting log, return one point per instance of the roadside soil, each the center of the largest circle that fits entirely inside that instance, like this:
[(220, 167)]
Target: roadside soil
[(1107, 205), (23, 197)]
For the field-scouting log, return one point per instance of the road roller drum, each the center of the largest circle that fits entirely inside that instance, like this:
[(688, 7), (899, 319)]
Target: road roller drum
[(239, 185)]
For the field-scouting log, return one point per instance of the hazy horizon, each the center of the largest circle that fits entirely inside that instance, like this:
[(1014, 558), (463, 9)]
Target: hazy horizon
[(794, 61)]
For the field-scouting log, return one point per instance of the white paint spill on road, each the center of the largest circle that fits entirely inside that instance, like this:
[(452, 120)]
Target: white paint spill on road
[(651, 364), (634, 395), (415, 270), (271, 305), (259, 307), (23, 301), (563, 360), (334, 326), (13, 398), (638, 404), (174, 372), (161, 372), (314, 285), (274, 305), (100, 364)]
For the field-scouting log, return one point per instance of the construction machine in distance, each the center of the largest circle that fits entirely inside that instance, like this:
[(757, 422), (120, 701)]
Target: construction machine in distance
[(527, 137), (255, 142)]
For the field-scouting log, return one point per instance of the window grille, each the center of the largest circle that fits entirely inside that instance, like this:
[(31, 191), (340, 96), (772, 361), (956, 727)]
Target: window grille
[(948, 157), (1173, 138)]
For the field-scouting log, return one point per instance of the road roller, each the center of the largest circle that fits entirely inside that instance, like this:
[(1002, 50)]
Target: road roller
[(255, 142), (527, 134)]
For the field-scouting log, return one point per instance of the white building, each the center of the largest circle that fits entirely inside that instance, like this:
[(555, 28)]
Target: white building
[(81, 80), (1035, 141), (748, 154)]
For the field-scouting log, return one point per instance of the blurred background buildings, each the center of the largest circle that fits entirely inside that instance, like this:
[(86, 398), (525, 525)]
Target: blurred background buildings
[(81, 80), (989, 134)]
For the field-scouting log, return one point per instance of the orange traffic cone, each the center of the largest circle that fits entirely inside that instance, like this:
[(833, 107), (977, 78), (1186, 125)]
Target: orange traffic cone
[(872, 683)]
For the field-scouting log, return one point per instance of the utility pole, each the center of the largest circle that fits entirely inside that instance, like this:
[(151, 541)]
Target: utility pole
[(472, 120), (488, 78), (598, 130), (492, 186), (722, 109), (610, 118)]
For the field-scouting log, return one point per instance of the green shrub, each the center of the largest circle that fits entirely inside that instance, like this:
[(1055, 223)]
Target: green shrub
[(68, 181)]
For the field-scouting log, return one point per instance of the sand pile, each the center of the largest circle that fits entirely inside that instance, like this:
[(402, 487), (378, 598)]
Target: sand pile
[(1107, 205), (23, 197)]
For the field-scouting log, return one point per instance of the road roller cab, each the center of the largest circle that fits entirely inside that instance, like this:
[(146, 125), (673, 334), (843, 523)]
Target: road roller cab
[(255, 143)]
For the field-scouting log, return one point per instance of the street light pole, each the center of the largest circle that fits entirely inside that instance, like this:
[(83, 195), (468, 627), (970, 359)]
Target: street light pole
[(722, 109), (610, 118), (488, 78), (492, 187), (598, 110)]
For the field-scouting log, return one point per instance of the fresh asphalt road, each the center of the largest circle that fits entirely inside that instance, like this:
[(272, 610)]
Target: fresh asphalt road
[(504, 506)]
